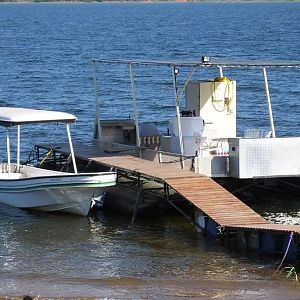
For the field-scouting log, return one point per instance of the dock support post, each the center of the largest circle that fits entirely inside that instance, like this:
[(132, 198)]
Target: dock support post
[(166, 191), (137, 200), (227, 237), (269, 102)]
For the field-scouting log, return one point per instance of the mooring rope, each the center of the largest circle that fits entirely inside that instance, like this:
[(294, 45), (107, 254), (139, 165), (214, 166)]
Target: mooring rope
[(285, 254)]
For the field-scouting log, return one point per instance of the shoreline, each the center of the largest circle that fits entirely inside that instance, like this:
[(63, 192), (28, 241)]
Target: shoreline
[(136, 288)]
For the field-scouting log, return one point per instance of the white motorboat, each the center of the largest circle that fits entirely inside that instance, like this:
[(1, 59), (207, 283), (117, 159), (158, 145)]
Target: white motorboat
[(31, 187)]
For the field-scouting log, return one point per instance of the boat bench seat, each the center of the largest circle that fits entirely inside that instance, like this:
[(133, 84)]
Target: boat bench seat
[(10, 175)]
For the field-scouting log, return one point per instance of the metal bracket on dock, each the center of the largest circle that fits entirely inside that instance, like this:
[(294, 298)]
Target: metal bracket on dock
[(166, 191), (138, 199)]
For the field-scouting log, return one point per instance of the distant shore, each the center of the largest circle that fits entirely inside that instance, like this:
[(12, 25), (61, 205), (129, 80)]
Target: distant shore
[(149, 1)]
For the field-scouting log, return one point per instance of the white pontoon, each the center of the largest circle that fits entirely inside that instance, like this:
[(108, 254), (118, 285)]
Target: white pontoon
[(31, 187)]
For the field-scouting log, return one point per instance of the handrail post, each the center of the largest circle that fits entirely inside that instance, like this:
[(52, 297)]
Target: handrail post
[(269, 102)]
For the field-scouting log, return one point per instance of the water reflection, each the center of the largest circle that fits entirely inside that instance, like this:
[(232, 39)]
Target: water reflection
[(281, 208), (79, 256)]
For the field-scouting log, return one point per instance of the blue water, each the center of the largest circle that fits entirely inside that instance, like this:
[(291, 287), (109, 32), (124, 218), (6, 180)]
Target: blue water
[(45, 62), (46, 52)]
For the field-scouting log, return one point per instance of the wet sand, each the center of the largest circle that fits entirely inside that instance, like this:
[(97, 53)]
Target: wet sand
[(133, 288)]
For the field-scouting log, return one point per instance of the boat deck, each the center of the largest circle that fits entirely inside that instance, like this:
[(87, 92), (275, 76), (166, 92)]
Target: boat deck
[(213, 200)]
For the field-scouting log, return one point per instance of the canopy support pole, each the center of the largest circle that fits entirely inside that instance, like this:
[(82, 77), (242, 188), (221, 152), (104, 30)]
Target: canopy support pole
[(8, 150), (221, 71), (177, 99), (18, 147), (135, 111), (174, 74), (96, 92), (269, 102), (71, 149)]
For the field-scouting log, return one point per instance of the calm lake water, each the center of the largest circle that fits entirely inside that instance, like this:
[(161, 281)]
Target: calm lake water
[(45, 59)]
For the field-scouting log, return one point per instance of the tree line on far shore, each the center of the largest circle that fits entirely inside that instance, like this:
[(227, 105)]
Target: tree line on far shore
[(37, 1)]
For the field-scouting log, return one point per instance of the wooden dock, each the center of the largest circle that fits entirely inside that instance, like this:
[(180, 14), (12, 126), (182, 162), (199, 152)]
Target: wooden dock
[(215, 202), (208, 196), (217, 211)]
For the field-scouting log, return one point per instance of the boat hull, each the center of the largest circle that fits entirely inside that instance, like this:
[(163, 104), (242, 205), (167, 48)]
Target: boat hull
[(71, 193)]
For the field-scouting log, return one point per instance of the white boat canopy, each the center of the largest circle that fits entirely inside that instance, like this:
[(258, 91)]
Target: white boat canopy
[(207, 61), (12, 116)]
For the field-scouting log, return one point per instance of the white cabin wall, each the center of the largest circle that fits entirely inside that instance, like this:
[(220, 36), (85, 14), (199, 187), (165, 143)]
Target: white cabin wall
[(207, 98)]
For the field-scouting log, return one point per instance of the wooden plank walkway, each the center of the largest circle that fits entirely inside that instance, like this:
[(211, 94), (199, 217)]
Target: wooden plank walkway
[(145, 167), (215, 201), (203, 192)]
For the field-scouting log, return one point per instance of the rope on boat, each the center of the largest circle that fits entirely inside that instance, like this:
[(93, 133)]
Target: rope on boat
[(68, 160), (48, 154), (285, 254)]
